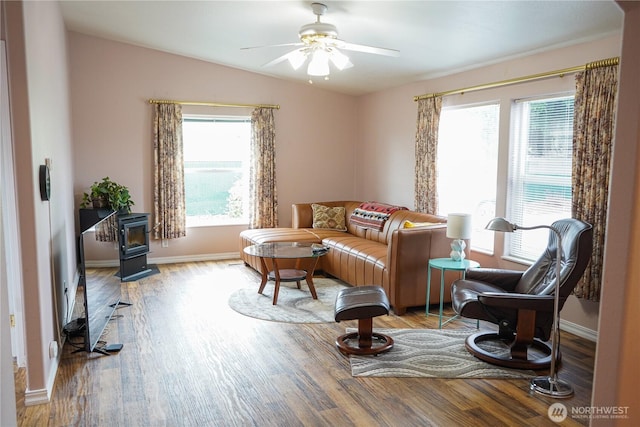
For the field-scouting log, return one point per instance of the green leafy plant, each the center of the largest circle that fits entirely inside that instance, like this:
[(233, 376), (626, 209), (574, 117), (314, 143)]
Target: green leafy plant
[(107, 194)]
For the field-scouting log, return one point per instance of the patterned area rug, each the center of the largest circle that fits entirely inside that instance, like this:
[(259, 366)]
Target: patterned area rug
[(294, 305), (429, 353)]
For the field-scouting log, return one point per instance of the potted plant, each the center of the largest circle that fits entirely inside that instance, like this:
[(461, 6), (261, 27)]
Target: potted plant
[(107, 194)]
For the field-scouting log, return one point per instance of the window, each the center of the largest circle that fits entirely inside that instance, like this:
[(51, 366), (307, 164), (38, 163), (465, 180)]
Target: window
[(467, 166), (539, 188), (216, 165)]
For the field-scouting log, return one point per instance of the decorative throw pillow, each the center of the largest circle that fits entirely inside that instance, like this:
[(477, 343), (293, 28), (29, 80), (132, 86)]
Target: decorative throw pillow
[(328, 217), (409, 224)]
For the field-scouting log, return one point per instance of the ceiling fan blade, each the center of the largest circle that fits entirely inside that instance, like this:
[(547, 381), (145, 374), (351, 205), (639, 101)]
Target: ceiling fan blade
[(271, 45), (282, 58), (367, 49)]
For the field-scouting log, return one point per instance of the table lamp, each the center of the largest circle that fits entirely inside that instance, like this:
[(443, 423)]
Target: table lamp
[(550, 385), (458, 228)]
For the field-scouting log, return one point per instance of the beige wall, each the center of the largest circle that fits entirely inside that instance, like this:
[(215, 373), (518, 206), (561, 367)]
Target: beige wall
[(111, 83), (617, 371), (40, 121)]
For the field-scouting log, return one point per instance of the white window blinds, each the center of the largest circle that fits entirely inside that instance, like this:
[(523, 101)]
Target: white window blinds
[(539, 189)]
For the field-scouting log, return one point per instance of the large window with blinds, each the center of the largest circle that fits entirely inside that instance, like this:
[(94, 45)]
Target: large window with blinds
[(467, 166), (216, 163), (539, 187)]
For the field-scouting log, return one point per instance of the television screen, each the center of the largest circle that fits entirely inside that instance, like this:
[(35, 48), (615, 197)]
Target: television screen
[(100, 280)]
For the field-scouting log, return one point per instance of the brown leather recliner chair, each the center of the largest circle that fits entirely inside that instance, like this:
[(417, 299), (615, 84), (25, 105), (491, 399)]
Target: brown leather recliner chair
[(521, 303)]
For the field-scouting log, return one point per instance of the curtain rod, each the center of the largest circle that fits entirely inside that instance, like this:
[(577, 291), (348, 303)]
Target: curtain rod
[(212, 104), (591, 65)]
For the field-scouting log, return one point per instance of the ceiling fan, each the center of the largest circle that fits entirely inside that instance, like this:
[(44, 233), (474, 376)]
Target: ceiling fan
[(319, 41)]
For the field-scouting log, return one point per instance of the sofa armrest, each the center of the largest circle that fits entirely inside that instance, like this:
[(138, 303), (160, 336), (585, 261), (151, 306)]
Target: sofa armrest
[(517, 301), (408, 255)]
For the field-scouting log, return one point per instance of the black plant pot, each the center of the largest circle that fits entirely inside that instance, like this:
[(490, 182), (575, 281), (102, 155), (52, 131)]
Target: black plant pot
[(100, 203)]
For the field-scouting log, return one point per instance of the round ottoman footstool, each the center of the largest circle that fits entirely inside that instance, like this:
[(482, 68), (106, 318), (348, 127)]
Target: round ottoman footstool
[(362, 303)]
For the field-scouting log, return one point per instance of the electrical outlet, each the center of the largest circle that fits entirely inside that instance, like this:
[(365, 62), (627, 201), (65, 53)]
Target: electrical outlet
[(53, 349), (165, 243)]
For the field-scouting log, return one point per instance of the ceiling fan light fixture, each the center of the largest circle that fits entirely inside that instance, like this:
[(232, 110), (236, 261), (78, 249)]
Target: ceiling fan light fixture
[(297, 58), (320, 44), (319, 64), (340, 60)]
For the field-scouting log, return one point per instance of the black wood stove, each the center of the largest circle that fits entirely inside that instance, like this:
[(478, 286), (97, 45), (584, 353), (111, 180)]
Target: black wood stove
[(134, 245)]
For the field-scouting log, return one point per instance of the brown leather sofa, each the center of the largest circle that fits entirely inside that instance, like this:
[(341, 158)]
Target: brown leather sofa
[(395, 258)]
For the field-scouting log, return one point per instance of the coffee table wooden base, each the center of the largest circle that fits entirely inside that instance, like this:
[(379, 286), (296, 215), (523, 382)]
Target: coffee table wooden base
[(287, 275)]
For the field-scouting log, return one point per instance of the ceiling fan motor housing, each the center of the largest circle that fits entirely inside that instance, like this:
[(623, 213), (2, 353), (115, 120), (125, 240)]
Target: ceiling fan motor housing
[(318, 30)]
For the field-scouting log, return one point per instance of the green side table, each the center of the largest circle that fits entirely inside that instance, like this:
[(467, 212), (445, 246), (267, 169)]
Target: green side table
[(444, 264)]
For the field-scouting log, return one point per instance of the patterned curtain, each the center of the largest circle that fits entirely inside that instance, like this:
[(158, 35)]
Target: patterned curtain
[(262, 175), (168, 174), (426, 197), (594, 120)]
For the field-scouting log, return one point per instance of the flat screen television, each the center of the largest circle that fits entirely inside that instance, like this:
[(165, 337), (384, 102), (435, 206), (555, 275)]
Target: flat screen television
[(99, 280)]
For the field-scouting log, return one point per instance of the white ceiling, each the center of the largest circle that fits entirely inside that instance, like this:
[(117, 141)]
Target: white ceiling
[(434, 38)]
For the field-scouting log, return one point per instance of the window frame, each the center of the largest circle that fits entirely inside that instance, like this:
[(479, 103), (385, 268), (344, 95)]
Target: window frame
[(517, 178), (478, 223), (220, 118)]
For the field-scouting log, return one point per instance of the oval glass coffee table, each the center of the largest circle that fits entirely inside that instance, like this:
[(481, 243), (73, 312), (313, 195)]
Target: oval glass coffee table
[(306, 254)]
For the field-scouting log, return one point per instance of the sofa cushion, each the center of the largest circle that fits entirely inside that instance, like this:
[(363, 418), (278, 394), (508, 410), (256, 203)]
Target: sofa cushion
[(355, 260), (373, 215), (329, 217)]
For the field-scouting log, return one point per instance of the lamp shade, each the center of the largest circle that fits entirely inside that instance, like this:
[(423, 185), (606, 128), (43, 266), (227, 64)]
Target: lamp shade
[(459, 226), (501, 224)]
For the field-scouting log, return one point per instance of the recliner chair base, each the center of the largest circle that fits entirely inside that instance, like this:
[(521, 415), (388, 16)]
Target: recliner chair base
[(362, 303), (517, 361), (364, 344)]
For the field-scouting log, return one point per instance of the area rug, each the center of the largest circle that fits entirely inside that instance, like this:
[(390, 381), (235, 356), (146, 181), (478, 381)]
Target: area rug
[(429, 353), (294, 305)]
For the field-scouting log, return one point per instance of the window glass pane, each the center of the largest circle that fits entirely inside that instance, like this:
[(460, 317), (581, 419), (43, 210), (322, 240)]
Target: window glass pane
[(539, 190), (467, 166), (216, 162)]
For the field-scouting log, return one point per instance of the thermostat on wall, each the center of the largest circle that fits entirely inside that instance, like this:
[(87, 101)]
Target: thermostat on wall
[(45, 183)]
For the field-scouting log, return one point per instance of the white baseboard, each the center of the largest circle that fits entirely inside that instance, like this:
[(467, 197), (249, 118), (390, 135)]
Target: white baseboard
[(43, 396), (171, 260), (578, 330), (194, 258), (36, 397)]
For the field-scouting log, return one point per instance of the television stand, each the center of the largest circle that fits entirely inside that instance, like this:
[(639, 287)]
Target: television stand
[(120, 303), (113, 348)]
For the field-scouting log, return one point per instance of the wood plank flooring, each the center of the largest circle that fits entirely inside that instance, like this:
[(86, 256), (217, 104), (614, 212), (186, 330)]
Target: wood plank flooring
[(189, 360)]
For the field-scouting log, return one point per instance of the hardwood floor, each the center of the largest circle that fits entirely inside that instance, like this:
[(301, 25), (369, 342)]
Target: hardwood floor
[(189, 360)]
